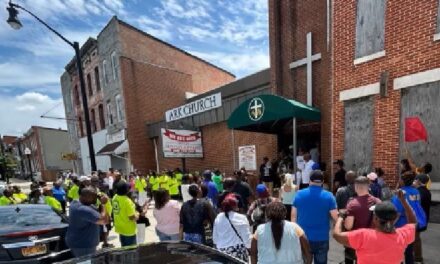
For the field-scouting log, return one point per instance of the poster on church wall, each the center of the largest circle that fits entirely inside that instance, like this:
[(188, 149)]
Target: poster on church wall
[(247, 157), (181, 143)]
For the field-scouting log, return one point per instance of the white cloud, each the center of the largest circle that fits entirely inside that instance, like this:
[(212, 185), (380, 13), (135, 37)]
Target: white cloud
[(160, 29), (190, 9), (31, 74), (24, 111), (240, 63)]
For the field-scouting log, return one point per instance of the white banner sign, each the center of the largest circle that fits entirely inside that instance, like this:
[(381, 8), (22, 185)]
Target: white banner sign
[(181, 143), (247, 157), (198, 106)]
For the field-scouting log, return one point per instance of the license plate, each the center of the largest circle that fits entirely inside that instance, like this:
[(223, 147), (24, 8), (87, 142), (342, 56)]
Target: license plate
[(35, 250)]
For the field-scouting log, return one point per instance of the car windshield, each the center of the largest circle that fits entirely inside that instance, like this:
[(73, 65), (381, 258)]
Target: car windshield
[(18, 217)]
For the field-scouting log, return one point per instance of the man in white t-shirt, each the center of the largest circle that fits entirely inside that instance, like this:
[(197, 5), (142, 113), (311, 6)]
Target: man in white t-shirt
[(308, 168), (314, 153)]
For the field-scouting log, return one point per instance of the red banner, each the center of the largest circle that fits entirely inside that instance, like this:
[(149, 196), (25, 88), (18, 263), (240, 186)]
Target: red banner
[(181, 138)]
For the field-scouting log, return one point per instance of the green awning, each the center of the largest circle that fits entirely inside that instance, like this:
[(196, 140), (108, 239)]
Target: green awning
[(266, 113)]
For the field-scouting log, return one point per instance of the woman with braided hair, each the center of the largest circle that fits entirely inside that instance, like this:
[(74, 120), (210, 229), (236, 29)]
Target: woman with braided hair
[(279, 241)]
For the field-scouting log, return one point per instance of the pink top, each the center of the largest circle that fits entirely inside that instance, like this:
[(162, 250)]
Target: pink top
[(168, 218), (371, 244)]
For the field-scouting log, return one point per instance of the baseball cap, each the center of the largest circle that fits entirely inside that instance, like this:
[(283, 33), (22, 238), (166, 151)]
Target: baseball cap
[(372, 176), (84, 178), (339, 162), (423, 178), (385, 211), (317, 176), (262, 190)]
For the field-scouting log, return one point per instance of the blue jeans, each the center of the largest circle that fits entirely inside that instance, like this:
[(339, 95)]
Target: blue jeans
[(166, 237), (79, 252), (127, 240), (319, 250), (193, 237)]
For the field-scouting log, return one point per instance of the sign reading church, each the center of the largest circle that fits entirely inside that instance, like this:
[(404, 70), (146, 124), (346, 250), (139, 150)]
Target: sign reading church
[(198, 106)]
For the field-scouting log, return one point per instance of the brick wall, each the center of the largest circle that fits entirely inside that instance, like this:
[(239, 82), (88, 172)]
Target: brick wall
[(218, 146), (409, 46), (289, 23), (136, 44), (148, 92)]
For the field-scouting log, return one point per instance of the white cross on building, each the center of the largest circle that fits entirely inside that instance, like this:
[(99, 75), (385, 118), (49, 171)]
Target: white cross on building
[(255, 108), (308, 62)]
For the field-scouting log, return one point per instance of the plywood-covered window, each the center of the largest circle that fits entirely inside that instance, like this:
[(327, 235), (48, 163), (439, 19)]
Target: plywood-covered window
[(370, 27)]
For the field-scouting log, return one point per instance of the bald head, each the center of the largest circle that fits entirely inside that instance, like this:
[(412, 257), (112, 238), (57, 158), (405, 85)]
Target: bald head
[(350, 177), (88, 195)]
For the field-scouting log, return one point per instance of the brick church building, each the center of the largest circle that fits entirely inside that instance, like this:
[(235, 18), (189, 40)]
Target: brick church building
[(343, 77)]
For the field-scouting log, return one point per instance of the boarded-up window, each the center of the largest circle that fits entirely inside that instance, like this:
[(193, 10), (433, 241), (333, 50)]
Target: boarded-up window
[(358, 143), (422, 101), (370, 27), (438, 18)]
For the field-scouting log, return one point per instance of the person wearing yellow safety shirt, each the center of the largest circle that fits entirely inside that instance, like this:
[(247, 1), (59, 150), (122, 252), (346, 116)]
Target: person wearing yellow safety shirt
[(173, 187), (19, 196), (50, 200), (73, 194), (163, 180), (7, 198), (153, 183), (105, 201), (140, 184), (125, 215)]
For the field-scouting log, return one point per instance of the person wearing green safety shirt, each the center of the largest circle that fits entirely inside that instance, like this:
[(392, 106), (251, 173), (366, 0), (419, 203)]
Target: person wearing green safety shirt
[(125, 215), (7, 198), (218, 180), (51, 201), (173, 186), (140, 184), (73, 193)]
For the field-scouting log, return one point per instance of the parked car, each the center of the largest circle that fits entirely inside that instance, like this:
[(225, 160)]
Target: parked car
[(164, 252), (32, 233)]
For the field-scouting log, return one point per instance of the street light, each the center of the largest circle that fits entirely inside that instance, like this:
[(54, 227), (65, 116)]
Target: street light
[(15, 23), (28, 153)]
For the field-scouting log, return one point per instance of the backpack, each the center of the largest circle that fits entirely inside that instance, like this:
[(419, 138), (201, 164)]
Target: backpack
[(259, 214)]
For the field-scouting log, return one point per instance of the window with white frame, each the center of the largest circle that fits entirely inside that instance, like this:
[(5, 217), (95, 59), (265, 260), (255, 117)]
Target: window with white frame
[(104, 72), (114, 65), (119, 107), (370, 27), (109, 113)]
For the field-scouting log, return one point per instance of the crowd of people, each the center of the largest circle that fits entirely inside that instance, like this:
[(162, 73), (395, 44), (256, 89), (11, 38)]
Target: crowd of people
[(250, 217)]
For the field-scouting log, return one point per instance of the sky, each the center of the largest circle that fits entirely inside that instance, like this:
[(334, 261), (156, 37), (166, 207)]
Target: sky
[(232, 34)]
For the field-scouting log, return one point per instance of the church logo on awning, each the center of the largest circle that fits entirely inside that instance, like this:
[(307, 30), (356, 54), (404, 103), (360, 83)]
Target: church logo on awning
[(256, 109)]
